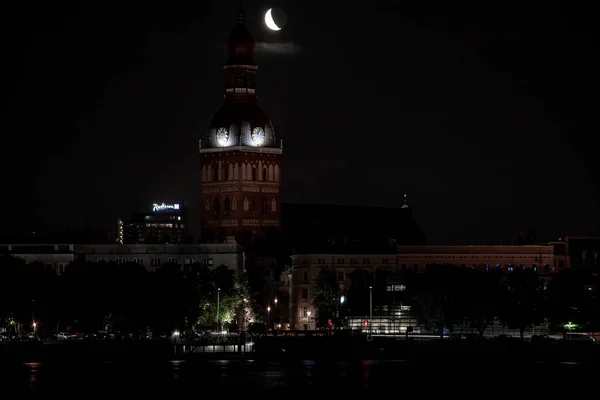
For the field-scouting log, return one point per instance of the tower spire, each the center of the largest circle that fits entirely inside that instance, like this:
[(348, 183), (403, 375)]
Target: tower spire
[(240, 13)]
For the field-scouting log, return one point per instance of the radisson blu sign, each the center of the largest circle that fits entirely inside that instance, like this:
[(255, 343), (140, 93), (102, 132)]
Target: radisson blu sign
[(163, 207)]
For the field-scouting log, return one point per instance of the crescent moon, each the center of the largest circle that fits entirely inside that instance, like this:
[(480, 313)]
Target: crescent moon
[(270, 22)]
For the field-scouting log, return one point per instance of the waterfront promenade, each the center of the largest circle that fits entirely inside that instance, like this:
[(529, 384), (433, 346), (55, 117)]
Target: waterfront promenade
[(313, 348)]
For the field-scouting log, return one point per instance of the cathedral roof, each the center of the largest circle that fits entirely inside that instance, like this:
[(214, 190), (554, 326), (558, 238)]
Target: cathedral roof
[(327, 226)]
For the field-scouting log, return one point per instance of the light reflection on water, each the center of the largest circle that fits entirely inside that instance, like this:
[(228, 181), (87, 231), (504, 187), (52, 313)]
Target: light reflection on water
[(32, 373), (143, 378)]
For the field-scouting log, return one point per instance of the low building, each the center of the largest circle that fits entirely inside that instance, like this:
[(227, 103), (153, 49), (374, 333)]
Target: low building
[(305, 267), (57, 256), (151, 256), (581, 252)]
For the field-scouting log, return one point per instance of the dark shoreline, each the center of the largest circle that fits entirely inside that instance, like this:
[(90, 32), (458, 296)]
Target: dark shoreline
[(324, 348)]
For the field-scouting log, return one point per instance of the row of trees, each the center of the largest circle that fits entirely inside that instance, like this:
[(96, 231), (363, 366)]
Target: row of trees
[(93, 296), (447, 296)]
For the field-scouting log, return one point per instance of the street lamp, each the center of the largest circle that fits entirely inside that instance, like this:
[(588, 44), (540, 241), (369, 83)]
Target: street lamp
[(275, 301), (340, 309), (308, 317), (370, 312), (268, 316), (218, 307)]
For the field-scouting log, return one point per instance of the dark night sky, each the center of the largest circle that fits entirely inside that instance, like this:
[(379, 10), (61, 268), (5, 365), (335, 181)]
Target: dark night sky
[(483, 113)]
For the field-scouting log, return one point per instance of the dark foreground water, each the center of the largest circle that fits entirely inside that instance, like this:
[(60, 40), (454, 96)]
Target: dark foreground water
[(295, 379)]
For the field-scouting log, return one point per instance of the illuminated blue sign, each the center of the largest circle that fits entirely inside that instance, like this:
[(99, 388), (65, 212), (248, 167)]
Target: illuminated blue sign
[(163, 207)]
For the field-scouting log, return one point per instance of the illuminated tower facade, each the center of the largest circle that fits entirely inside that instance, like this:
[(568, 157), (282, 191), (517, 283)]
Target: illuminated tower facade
[(240, 155)]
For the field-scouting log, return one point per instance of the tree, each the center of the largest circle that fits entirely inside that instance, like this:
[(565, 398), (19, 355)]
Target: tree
[(522, 306), (109, 321), (88, 296), (284, 277), (326, 296), (568, 301), (262, 285), (481, 298), (357, 299), (437, 297), (221, 294), (247, 316)]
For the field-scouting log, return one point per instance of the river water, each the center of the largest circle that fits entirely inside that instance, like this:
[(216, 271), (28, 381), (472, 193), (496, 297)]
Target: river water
[(297, 379)]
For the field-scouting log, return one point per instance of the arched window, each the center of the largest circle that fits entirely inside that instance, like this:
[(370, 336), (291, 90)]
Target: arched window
[(265, 206), (216, 207), (208, 173), (207, 206), (273, 205), (234, 204), (246, 204), (276, 173), (216, 174), (227, 206), (225, 174), (265, 174), (253, 205), (253, 173)]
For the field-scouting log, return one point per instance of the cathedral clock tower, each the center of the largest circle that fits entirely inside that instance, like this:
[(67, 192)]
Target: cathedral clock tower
[(240, 155)]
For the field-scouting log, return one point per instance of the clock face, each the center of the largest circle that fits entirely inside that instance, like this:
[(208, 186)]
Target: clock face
[(222, 136), (258, 136)]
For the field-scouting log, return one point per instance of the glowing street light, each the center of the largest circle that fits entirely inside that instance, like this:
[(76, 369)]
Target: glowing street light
[(268, 316), (370, 312)]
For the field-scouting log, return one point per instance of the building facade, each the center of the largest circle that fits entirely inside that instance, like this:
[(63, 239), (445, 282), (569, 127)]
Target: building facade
[(240, 155), (305, 267), (581, 252), (57, 256), (151, 256), (161, 223)]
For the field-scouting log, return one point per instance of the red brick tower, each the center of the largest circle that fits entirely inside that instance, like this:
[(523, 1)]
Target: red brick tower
[(240, 155)]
